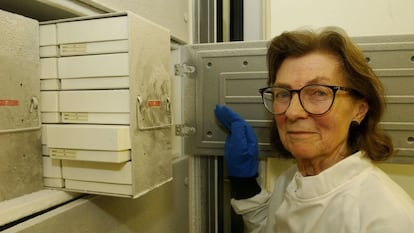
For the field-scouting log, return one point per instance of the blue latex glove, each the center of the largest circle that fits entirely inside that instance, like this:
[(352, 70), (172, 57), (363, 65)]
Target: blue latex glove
[(241, 149)]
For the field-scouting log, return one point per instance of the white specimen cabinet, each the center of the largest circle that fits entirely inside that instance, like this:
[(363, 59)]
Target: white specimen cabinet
[(105, 104)]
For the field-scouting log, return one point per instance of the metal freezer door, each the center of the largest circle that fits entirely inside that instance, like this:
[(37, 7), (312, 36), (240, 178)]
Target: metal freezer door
[(227, 74)]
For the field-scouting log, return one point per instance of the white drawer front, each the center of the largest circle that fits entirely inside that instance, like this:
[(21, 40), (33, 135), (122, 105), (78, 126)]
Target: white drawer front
[(47, 35), (114, 28), (105, 65), (88, 137), (98, 172), (49, 101), (94, 101)]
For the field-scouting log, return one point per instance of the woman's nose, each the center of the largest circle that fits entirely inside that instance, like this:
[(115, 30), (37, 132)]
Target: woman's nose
[(295, 109)]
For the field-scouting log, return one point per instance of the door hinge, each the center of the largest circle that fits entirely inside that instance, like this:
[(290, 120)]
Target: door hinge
[(183, 69), (183, 130)]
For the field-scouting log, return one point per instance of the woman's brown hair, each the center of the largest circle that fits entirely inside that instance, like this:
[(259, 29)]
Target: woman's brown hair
[(358, 75)]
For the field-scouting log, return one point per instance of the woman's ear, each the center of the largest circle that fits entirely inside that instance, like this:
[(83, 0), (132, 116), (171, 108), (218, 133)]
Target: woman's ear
[(360, 111)]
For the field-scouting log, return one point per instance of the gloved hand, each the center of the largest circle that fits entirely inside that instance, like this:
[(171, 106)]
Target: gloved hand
[(241, 149)]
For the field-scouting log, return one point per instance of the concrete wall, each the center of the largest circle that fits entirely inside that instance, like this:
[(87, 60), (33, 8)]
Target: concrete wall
[(358, 18)]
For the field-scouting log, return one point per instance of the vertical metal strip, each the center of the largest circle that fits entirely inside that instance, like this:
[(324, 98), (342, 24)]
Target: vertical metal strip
[(236, 20), (205, 21)]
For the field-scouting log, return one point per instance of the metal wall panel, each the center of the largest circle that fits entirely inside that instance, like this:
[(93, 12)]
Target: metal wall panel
[(392, 58), (231, 74)]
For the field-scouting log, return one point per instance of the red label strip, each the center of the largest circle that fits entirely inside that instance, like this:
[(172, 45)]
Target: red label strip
[(153, 103), (9, 103)]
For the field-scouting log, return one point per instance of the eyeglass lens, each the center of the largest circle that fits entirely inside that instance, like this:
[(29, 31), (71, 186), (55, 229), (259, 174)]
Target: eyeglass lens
[(315, 99)]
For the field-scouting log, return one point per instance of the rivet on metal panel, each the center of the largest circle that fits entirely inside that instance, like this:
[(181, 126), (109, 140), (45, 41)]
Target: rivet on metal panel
[(183, 69)]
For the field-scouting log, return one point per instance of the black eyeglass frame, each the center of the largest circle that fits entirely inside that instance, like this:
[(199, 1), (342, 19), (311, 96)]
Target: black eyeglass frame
[(291, 91)]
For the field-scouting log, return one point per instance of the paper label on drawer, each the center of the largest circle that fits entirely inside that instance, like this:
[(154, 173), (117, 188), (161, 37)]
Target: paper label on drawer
[(75, 116), (62, 153), (70, 49)]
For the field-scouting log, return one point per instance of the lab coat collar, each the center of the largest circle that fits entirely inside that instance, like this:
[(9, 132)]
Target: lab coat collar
[(330, 179)]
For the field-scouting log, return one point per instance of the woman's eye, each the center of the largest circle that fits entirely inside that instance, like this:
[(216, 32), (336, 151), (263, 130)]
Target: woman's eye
[(281, 95), (320, 93), (316, 91)]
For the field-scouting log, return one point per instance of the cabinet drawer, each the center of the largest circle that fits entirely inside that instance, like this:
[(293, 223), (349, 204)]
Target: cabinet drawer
[(94, 101), (91, 155), (118, 46), (88, 137), (97, 172), (113, 28), (49, 84), (45, 150), (106, 65), (53, 182), (51, 117), (52, 167), (49, 51), (96, 118), (95, 83), (47, 35), (48, 68), (97, 187), (49, 101)]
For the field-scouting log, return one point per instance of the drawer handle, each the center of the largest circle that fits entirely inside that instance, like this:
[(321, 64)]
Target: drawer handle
[(410, 139)]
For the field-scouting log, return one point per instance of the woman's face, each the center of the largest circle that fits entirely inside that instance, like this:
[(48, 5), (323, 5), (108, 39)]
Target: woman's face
[(306, 136)]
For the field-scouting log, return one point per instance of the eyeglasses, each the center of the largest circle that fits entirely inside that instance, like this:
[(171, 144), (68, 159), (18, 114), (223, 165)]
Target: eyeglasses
[(315, 99)]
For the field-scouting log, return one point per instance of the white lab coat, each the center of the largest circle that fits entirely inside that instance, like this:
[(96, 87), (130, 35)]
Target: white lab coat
[(353, 196)]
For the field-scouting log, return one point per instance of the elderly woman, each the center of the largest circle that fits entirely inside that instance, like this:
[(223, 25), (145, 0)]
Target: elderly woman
[(327, 103)]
